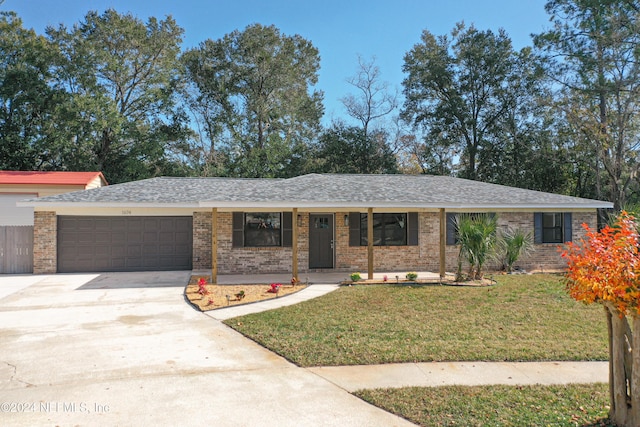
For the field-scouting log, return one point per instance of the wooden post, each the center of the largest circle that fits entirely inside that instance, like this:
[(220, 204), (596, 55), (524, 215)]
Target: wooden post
[(294, 244), (214, 245), (370, 243), (443, 243)]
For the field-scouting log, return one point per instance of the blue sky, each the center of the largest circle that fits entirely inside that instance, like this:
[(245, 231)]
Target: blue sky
[(340, 29)]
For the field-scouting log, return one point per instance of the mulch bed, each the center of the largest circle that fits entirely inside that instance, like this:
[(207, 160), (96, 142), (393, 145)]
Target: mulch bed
[(220, 296)]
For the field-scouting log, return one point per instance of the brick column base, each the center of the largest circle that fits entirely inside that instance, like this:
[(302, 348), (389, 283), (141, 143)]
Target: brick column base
[(45, 245)]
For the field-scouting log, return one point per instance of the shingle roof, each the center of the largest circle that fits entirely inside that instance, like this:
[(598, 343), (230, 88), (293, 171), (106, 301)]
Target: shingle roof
[(49, 177), (318, 190)]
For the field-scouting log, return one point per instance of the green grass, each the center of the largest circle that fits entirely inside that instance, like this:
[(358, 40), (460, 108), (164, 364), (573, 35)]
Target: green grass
[(571, 405), (522, 318)]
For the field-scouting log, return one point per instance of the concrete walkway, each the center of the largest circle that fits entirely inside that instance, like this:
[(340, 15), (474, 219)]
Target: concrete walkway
[(395, 375)]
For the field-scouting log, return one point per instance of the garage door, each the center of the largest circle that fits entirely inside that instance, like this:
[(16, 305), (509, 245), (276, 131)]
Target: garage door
[(87, 244)]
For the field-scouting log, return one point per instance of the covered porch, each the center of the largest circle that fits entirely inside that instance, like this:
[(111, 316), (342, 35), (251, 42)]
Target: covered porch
[(312, 275)]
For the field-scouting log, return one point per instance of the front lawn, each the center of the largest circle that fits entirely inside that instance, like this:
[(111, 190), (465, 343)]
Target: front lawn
[(570, 405), (522, 318)]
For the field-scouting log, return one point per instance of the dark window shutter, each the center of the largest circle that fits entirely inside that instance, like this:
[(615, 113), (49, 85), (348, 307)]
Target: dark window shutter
[(287, 229), (354, 229), (451, 229), (537, 227), (238, 230), (412, 229), (567, 226)]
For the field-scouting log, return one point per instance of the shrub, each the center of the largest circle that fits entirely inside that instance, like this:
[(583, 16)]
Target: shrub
[(477, 240), (513, 244)]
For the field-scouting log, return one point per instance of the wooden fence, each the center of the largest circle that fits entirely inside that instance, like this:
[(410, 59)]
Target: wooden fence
[(16, 249)]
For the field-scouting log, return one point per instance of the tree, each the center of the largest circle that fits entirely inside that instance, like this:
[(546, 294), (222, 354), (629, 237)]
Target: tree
[(409, 155), (255, 86), (530, 151), (595, 48), (29, 106), (459, 89), (345, 149), (121, 75), (374, 100), (604, 268), (203, 154)]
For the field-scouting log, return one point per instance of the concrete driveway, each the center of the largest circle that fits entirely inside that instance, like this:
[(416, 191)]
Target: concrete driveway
[(83, 350)]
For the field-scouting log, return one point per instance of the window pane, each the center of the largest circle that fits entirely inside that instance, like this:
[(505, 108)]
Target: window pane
[(548, 235), (548, 220), (552, 229), (558, 235), (363, 229), (378, 230), (388, 229), (322, 222), (262, 229), (395, 231)]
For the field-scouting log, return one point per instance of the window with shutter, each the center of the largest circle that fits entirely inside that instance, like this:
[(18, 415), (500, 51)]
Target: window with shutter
[(389, 229), (260, 229), (552, 227)]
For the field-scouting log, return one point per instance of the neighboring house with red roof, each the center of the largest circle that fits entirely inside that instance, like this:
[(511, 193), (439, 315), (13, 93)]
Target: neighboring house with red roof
[(16, 223)]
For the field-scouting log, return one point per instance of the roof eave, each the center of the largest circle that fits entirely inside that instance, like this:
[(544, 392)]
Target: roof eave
[(39, 204), (314, 205), (382, 205)]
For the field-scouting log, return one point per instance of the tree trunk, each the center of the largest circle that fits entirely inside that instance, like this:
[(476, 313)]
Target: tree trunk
[(619, 406), (609, 316), (634, 412)]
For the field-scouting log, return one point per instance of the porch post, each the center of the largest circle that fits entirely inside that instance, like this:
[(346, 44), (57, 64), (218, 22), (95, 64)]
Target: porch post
[(370, 243), (214, 245), (294, 244), (443, 242)]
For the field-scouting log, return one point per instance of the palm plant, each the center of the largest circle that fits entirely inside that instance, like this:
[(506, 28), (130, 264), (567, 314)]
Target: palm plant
[(513, 244), (477, 239)]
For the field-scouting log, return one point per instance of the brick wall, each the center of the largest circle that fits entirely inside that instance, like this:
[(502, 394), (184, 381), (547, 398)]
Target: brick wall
[(201, 240), (45, 235), (389, 258), (245, 260), (545, 257), (424, 256)]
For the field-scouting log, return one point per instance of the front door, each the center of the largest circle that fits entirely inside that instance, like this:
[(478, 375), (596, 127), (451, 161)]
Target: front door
[(321, 241)]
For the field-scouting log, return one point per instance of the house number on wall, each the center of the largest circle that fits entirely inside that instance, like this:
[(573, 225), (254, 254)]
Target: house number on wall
[(126, 212)]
